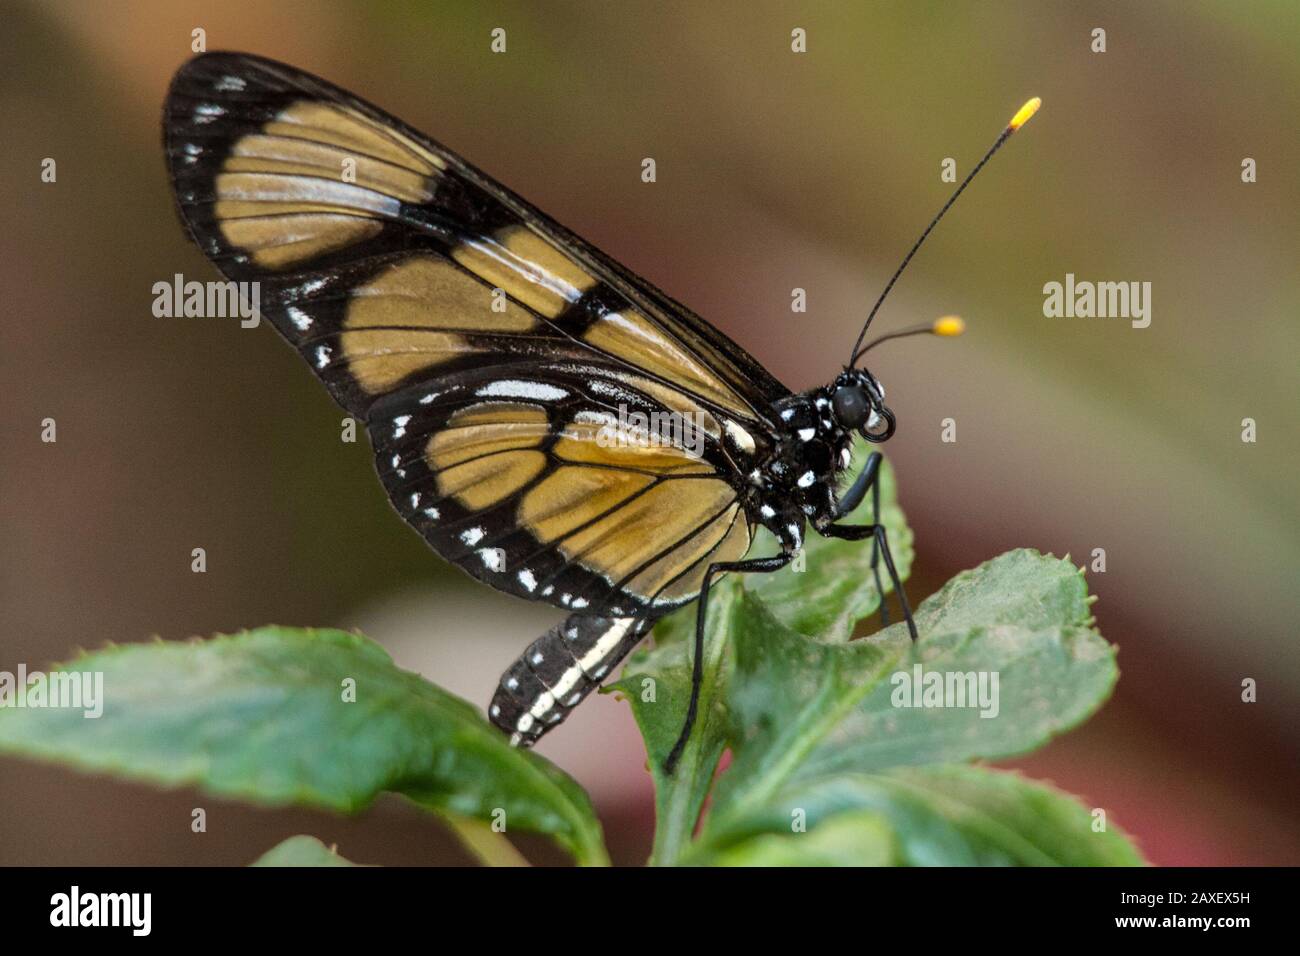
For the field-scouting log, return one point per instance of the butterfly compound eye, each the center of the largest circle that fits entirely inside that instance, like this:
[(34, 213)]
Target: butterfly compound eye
[(851, 406)]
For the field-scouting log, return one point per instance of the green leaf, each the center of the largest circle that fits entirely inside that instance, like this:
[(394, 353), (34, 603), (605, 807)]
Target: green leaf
[(261, 715), (803, 710), (798, 712), (835, 588), (301, 851), (920, 816), (849, 838), (657, 684)]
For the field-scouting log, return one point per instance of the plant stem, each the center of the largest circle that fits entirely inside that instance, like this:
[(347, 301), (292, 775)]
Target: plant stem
[(680, 797), (485, 844)]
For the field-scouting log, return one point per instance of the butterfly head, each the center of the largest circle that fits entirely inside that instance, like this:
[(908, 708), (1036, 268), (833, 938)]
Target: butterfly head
[(858, 405), (858, 398)]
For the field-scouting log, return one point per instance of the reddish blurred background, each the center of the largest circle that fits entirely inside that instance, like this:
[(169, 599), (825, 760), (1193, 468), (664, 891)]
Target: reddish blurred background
[(775, 171)]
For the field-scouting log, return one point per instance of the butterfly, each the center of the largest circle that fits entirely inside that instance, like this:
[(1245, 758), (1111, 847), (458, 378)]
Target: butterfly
[(513, 379)]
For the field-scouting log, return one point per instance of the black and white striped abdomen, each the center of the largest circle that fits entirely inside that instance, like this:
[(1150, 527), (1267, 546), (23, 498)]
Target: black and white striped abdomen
[(558, 670)]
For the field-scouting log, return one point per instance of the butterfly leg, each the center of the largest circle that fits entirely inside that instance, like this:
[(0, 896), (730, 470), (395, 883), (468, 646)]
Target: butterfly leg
[(868, 479), (877, 532), (875, 554), (558, 670), (774, 563)]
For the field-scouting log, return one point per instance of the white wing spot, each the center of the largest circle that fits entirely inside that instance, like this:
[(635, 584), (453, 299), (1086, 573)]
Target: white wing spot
[(513, 388), (741, 437), (472, 536)]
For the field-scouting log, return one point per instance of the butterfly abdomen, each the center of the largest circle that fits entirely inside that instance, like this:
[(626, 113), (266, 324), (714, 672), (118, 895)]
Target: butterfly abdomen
[(558, 670)]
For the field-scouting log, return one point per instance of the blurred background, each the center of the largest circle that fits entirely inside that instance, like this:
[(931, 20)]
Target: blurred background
[(776, 170)]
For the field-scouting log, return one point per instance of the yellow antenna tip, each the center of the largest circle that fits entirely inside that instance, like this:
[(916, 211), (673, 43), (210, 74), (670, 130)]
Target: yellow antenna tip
[(949, 326), (1025, 112)]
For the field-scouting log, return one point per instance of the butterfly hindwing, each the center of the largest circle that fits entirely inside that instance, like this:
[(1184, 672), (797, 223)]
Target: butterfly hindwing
[(530, 479)]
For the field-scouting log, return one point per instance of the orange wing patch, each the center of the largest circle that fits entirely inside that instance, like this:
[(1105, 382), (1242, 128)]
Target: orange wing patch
[(529, 269), (634, 338), (483, 454), (617, 545), (403, 321), (599, 439), (571, 497), (685, 567), (344, 127), (483, 482), (476, 433), (317, 178)]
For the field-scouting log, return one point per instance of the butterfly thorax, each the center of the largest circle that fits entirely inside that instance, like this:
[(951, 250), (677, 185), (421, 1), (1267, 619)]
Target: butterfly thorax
[(796, 483)]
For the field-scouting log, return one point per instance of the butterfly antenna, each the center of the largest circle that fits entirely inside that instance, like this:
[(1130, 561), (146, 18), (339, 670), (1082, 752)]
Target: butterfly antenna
[(948, 326), (1020, 119)]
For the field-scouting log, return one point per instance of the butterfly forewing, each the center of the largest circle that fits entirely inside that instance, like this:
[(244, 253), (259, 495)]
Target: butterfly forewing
[(286, 179), (487, 348)]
